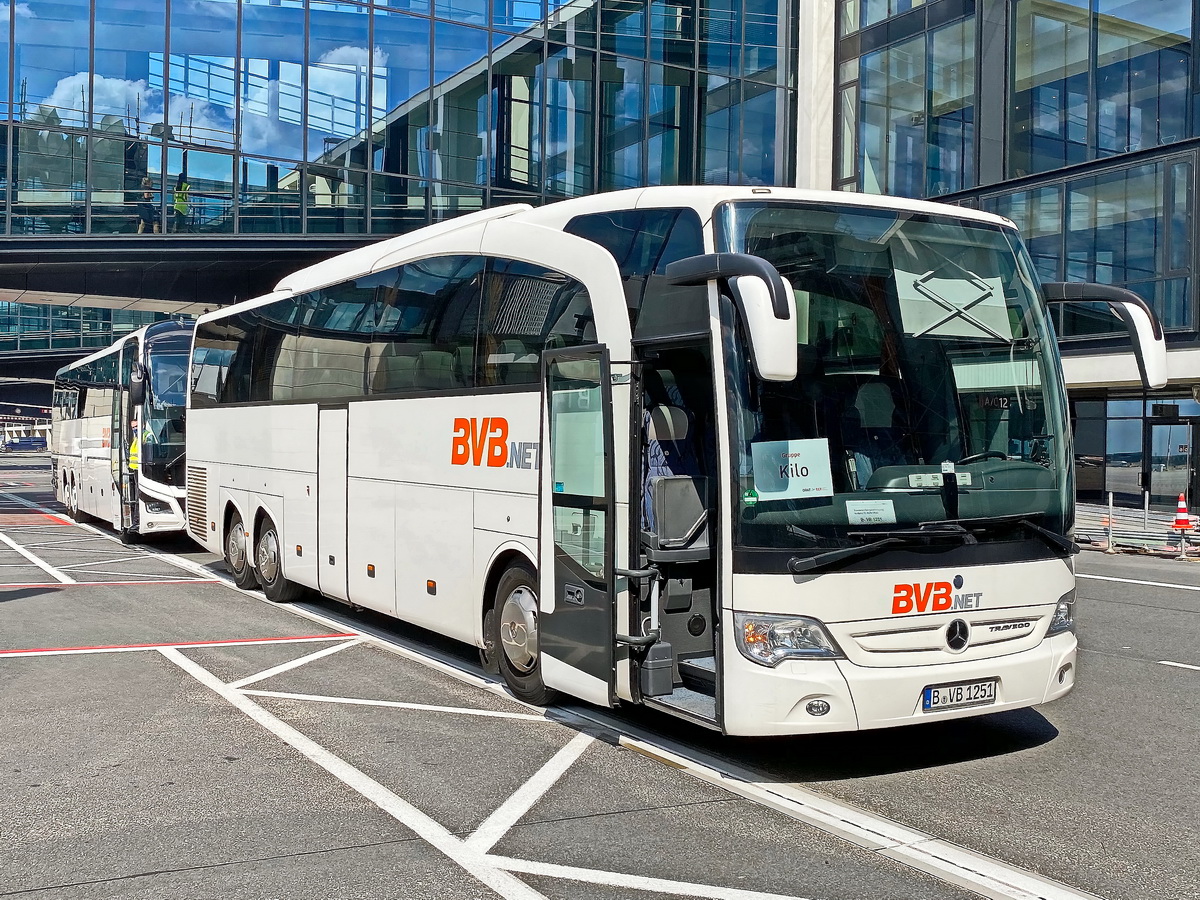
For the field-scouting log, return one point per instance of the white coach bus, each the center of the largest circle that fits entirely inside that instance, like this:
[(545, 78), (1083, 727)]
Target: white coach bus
[(117, 437), (772, 461)]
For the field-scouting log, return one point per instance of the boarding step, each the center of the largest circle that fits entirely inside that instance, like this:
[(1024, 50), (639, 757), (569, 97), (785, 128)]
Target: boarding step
[(699, 673), (693, 705)]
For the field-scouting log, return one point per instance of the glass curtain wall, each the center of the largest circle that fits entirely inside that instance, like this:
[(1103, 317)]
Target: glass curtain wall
[(148, 117), (907, 115), (31, 326), (1096, 78), (1130, 226)]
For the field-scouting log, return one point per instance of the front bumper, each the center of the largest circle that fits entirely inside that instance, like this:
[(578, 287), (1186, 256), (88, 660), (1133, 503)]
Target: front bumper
[(861, 698)]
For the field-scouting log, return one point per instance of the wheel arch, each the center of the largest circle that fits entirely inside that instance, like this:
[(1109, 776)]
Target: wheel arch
[(502, 558), (231, 507)]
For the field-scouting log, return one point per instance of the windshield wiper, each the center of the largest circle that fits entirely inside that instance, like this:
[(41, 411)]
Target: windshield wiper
[(1055, 540), (802, 565), (923, 534)]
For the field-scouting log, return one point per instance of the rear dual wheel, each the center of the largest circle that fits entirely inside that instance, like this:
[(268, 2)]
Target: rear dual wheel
[(237, 555), (268, 557)]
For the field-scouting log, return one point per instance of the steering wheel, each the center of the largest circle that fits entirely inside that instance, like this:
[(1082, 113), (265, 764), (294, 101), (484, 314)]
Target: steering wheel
[(978, 457)]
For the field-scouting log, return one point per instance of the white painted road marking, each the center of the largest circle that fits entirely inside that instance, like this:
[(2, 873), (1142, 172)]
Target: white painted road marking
[(54, 573), (175, 645), (1167, 662), (397, 704), (500, 822), (1161, 584), (636, 882), (293, 664), (471, 860)]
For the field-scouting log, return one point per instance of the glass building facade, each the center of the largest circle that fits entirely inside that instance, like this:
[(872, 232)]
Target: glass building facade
[(332, 117), (309, 126), (1080, 121)]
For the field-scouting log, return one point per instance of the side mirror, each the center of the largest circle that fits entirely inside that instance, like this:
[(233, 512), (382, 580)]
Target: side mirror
[(764, 300), (772, 342), (1149, 346), (137, 385)]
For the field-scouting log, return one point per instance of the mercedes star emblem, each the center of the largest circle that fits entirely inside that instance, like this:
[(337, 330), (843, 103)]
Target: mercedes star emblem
[(958, 633)]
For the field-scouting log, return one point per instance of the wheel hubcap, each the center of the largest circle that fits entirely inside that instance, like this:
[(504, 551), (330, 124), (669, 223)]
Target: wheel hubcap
[(268, 556), (518, 629), (236, 546)]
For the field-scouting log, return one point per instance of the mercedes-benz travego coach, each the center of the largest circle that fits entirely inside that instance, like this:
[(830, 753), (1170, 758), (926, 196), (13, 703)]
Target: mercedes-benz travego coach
[(770, 460), (117, 433)]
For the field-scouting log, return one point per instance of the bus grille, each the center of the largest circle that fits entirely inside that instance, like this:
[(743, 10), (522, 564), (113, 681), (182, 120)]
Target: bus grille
[(197, 499)]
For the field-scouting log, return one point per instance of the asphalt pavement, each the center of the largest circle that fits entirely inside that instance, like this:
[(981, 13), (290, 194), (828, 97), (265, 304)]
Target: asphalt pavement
[(167, 735)]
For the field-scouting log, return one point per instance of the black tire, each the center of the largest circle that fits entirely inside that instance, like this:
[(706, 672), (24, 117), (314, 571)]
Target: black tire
[(130, 537), (237, 556), (73, 501), (519, 660), (268, 557)]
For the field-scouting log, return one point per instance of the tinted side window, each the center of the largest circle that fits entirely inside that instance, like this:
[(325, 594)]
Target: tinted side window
[(427, 326), (643, 242), (329, 354), (221, 361), (273, 329), (528, 309)]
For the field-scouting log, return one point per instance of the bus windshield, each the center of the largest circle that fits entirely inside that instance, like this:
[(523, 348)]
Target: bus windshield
[(929, 386), (163, 439)]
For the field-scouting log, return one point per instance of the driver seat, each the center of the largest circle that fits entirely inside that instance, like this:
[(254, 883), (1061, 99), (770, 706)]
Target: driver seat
[(869, 433)]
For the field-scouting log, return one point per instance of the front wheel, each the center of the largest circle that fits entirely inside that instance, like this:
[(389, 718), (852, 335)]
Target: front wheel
[(237, 557), (512, 627), (270, 567)]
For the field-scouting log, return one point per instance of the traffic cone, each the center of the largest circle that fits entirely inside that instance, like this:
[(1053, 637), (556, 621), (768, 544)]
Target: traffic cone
[(1183, 522)]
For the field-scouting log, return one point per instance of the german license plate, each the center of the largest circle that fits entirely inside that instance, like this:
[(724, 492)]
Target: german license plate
[(959, 694)]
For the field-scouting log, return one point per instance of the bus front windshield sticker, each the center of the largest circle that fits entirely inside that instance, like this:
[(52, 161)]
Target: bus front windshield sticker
[(785, 470), (949, 300)]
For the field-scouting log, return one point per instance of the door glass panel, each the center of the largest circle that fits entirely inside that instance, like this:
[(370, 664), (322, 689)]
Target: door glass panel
[(1170, 463), (577, 466)]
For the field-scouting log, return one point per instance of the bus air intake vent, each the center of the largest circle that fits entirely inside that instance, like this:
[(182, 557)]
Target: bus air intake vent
[(197, 499)]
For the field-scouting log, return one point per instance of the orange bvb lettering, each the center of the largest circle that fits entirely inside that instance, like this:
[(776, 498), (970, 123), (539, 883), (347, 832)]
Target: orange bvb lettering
[(459, 450), (476, 440), (934, 596)]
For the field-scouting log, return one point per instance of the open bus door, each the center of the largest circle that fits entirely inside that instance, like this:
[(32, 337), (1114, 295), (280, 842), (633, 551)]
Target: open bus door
[(126, 407), (577, 550)]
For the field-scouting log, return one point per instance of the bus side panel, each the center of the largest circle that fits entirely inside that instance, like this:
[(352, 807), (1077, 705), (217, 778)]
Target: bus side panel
[(371, 550), (96, 469), (300, 503), (435, 542), (270, 437)]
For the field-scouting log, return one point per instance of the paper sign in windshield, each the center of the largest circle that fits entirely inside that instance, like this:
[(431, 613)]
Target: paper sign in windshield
[(870, 512), (787, 470)]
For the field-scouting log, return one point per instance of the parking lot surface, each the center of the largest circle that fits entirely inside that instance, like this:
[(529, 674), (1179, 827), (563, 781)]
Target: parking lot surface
[(168, 735)]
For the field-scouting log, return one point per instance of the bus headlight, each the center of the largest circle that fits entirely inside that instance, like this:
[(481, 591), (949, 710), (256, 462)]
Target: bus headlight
[(769, 640), (1064, 615)]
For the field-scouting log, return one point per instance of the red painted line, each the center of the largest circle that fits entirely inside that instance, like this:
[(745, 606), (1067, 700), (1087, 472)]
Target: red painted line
[(307, 637), (57, 584)]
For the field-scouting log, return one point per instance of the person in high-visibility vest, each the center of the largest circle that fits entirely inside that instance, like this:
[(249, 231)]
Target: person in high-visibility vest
[(180, 205), (134, 449)]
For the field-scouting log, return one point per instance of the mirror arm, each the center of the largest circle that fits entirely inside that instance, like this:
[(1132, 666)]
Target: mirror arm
[(1118, 300), (696, 270), (1068, 292)]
